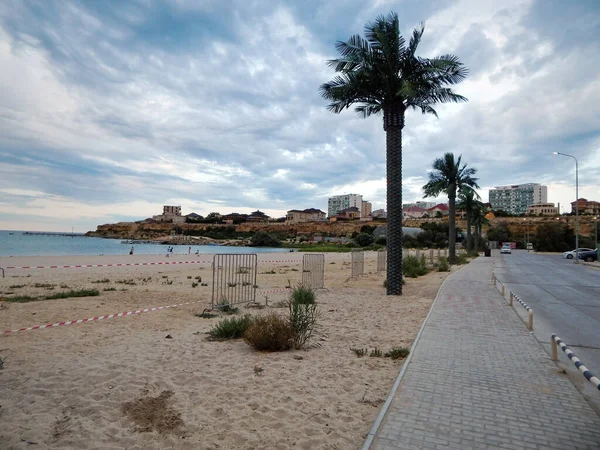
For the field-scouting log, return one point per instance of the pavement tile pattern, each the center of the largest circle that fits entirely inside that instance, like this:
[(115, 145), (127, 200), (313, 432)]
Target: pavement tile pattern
[(479, 380)]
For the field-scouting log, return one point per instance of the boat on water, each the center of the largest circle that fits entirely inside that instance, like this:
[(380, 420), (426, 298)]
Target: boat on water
[(11, 233)]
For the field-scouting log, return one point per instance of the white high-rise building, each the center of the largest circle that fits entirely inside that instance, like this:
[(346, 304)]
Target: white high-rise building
[(517, 198), (338, 203)]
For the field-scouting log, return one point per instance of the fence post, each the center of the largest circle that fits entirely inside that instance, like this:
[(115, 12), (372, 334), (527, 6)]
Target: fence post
[(554, 350), (502, 284), (530, 324)]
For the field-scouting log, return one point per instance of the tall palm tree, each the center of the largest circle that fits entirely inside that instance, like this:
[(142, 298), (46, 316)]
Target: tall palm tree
[(469, 199), (381, 74), (449, 177)]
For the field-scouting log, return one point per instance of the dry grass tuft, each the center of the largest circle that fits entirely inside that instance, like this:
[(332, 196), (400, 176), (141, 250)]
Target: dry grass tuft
[(153, 413)]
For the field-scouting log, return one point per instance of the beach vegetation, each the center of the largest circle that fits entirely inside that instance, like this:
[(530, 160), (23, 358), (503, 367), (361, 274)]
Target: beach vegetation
[(22, 299), (443, 265), (360, 352), (226, 307), (376, 353), (451, 178), (103, 280), (230, 328), (414, 267), (189, 277), (129, 282), (194, 285), (17, 286), (72, 293), (397, 353), (381, 74), (206, 315), (109, 289), (461, 259), (269, 333), (303, 315)]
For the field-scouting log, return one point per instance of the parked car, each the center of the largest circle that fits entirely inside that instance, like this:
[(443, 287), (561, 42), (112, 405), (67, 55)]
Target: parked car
[(571, 254), (506, 249), (590, 256)]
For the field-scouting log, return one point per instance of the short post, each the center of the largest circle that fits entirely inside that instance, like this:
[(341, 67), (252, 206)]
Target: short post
[(554, 350), (502, 284), (510, 299), (2, 269), (530, 324)]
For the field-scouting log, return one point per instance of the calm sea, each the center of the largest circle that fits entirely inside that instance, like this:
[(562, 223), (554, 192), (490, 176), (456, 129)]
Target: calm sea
[(15, 243)]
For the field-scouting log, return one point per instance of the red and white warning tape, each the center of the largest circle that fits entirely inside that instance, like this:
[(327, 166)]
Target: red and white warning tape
[(92, 319), (160, 263), (112, 316)]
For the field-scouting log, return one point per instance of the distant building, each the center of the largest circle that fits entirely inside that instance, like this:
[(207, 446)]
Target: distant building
[(545, 209), (306, 215), (234, 217), (258, 216), (351, 213), (516, 199), (338, 203), (442, 208), (381, 213), (170, 214), (413, 212), (585, 206), (365, 209)]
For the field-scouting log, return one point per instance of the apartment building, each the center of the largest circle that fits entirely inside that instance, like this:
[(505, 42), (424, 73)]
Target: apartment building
[(338, 203), (544, 209), (585, 206), (306, 215), (517, 198), (365, 209)]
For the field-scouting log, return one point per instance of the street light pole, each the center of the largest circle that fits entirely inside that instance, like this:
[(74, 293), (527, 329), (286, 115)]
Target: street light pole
[(596, 231), (576, 204)]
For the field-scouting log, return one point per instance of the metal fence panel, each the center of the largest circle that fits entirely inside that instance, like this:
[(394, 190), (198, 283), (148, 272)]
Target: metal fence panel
[(234, 279), (313, 271), (358, 262), (381, 260)]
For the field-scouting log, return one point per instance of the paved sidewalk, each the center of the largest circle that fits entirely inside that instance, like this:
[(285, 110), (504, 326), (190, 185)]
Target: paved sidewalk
[(479, 380)]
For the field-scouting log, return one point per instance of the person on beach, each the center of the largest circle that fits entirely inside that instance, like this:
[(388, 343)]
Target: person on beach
[(189, 250), (131, 251)]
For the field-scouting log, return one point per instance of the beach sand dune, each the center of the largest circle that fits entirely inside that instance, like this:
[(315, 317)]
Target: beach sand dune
[(121, 383)]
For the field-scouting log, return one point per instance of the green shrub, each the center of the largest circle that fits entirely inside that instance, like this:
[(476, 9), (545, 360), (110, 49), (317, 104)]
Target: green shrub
[(22, 299), (442, 265), (303, 316), (69, 294), (231, 328), (360, 352), (461, 259), (270, 333), (397, 353), (364, 239), (303, 295), (376, 353), (264, 239), (381, 240), (414, 267)]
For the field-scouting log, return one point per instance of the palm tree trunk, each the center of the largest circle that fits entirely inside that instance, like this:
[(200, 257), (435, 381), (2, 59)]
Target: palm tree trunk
[(469, 236), (393, 122), (452, 225), (476, 237)]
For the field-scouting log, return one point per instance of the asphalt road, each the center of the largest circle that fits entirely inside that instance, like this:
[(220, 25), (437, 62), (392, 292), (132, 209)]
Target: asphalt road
[(565, 298)]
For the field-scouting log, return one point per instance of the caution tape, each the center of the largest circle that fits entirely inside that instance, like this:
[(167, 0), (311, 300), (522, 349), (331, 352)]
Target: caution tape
[(160, 263)]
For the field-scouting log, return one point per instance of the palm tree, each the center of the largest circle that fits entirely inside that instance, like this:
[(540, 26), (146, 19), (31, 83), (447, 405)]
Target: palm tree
[(468, 201), (381, 74), (449, 177), (479, 221)]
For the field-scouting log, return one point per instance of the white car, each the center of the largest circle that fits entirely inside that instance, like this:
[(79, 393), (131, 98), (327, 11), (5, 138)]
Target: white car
[(571, 254), (506, 249)]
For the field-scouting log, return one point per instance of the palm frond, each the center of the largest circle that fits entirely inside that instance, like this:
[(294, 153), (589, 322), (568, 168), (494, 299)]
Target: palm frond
[(416, 39)]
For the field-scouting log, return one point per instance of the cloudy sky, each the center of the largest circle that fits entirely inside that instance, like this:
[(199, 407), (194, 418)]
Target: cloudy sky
[(110, 109)]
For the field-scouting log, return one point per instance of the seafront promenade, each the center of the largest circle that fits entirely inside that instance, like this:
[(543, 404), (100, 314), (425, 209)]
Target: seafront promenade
[(479, 380)]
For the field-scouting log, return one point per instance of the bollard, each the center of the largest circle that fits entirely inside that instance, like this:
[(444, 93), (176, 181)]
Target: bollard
[(554, 350), (502, 284), (510, 299), (530, 324), (2, 269)]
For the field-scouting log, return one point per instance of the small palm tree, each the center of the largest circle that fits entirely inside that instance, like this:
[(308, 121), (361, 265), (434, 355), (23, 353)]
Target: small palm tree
[(469, 200), (449, 177), (381, 74), (479, 221)]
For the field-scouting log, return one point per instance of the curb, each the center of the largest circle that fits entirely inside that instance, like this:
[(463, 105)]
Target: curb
[(388, 401)]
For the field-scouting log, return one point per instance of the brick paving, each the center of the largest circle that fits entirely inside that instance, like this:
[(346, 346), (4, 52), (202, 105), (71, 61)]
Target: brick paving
[(479, 380)]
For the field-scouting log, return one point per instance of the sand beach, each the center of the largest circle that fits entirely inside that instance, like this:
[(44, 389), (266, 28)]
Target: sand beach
[(122, 383)]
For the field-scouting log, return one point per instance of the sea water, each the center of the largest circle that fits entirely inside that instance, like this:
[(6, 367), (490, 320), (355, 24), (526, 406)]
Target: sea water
[(16, 243)]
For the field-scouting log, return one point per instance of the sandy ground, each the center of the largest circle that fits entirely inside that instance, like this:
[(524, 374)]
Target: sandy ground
[(78, 386)]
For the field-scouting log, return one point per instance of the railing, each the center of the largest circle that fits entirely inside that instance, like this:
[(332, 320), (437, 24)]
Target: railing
[(524, 305), (556, 342), (512, 295)]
